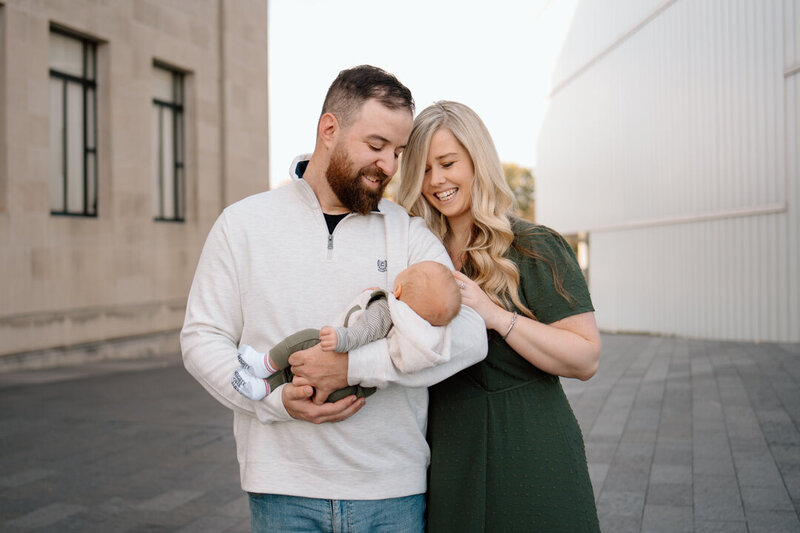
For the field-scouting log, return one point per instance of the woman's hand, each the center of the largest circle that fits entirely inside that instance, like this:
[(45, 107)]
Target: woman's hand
[(472, 295)]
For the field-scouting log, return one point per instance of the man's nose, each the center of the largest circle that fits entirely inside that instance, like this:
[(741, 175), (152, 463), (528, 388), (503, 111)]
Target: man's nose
[(388, 165)]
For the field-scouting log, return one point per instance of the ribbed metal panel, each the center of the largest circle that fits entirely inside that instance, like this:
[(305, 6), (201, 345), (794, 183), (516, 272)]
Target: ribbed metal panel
[(597, 25), (715, 279), (792, 154), (674, 146), (791, 19)]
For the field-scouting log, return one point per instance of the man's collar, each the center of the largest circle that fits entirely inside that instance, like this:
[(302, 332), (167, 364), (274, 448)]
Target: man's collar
[(300, 169)]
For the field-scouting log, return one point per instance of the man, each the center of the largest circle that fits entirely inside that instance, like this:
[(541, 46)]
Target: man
[(292, 258)]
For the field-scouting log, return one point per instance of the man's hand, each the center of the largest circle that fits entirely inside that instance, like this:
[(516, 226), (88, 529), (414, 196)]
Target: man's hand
[(325, 371), (297, 401)]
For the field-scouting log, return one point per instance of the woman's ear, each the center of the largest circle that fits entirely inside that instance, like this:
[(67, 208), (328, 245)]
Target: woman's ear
[(328, 128)]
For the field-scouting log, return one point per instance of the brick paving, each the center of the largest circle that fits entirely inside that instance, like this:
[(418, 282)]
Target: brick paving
[(691, 435), (681, 435), (136, 446)]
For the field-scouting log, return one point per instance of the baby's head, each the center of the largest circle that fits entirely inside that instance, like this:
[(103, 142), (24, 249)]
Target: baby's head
[(430, 289)]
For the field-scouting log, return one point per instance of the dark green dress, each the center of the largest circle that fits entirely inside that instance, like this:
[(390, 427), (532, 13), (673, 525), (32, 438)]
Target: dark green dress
[(507, 453)]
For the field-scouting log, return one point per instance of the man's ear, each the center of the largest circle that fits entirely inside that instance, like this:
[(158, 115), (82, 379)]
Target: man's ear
[(328, 129)]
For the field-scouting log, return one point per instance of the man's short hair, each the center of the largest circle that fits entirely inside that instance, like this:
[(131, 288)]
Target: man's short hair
[(354, 86)]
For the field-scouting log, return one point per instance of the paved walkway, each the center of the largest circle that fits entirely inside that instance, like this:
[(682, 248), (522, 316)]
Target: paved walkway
[(681, 435)]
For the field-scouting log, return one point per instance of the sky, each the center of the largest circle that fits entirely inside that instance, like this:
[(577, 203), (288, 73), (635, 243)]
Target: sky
[(495, 56)]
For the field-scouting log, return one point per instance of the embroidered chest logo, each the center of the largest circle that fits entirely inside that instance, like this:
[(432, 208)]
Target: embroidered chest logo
[(381, 265)]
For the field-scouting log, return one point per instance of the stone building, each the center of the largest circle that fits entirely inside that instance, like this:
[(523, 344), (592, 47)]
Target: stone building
[(125, 128)]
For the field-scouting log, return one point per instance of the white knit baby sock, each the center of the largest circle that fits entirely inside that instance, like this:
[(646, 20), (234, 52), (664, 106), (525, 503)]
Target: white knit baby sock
[(257, 363), (248, 385)]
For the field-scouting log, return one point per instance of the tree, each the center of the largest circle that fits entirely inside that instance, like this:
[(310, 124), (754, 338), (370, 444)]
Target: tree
[(521, 181)]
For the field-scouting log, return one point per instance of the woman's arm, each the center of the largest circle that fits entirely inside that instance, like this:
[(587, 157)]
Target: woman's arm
[(569, 347)]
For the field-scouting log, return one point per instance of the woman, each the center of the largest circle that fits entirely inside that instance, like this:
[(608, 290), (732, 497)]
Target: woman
[(506, 450)]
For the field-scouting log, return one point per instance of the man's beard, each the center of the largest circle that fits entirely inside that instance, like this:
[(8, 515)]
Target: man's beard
[(346, 183)]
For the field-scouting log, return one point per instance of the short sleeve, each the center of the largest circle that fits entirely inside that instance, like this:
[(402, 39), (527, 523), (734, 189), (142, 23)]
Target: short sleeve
[(552, 257)]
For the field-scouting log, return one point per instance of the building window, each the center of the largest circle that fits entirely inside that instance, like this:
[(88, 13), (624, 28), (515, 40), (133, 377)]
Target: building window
[(3, 122), (73, 125), (168, 175)]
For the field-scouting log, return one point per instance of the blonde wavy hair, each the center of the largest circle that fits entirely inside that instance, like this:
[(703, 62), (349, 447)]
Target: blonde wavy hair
[(492, 199)]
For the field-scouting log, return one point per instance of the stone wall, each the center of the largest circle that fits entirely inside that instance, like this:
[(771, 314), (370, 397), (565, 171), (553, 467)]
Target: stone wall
[(70, 281)]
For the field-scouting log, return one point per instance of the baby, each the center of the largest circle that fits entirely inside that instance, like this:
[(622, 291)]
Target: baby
[(423, 292)]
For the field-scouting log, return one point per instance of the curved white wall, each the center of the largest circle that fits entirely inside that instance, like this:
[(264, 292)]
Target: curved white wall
[(670, 140)]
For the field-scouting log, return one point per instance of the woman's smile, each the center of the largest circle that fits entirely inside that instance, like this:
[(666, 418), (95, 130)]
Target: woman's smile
[(447, 195)]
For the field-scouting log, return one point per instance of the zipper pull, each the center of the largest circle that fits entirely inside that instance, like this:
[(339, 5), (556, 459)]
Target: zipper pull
[(330, 241)]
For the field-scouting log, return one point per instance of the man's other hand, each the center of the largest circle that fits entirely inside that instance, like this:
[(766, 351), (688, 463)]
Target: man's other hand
[(297, 399), (325, 371)]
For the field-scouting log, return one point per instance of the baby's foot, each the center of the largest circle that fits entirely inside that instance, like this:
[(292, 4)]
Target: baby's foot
[(328, 339), (248, 385), (257, 363)]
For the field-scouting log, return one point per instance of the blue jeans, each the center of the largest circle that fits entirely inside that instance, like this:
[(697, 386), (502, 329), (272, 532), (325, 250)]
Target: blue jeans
[(276, 512)]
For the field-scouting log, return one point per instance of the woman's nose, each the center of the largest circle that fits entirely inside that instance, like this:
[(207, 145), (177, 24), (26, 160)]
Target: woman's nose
[(437, 176)]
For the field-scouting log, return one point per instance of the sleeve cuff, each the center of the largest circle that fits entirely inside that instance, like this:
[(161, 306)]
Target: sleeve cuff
[(365, 365), (271, 408)]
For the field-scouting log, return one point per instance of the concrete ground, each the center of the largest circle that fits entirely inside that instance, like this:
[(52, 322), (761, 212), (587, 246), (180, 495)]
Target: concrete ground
[(681, 435)]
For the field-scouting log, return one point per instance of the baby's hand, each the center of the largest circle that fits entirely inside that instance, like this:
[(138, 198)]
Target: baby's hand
[(328, 338)]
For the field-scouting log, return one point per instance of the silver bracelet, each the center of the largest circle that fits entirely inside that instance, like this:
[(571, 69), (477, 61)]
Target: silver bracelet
[(513, 321)]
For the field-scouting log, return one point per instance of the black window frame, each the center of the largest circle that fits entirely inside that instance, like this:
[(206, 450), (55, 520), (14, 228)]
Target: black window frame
[(3, 128), (86, 84), (178, 146)]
